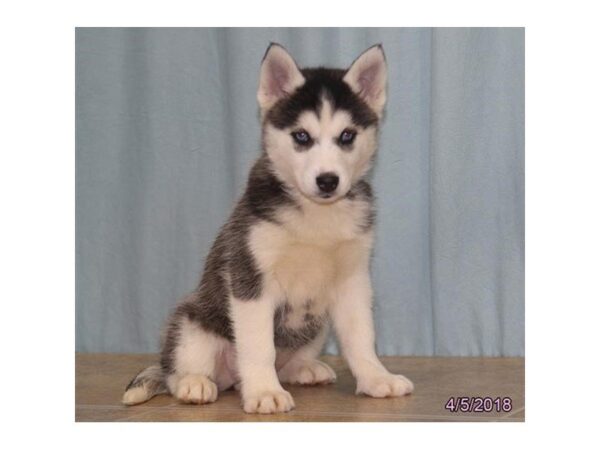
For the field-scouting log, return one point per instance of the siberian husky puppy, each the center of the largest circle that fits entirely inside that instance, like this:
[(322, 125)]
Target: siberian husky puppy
[(294, 255)]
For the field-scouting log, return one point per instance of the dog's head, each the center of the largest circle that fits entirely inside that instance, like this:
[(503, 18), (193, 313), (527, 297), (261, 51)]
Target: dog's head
[(320, 125)]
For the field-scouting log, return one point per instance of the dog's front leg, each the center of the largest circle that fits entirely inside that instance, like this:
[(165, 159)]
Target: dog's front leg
[(255, 353), (353, 321)]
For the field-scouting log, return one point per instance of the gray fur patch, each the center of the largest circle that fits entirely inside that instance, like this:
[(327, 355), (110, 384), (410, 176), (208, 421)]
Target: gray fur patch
[(294, 338), (246, 279), (362, 192)]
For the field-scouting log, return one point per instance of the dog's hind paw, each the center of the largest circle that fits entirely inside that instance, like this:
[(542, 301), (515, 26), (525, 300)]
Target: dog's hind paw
[(307, 373), (387, 385)]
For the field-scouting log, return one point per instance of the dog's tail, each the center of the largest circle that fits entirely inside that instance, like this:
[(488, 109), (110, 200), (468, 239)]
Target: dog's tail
[(145, 385)]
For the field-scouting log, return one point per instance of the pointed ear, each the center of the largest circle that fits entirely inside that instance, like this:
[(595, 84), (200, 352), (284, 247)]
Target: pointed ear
[(279, 76), (367, 76)]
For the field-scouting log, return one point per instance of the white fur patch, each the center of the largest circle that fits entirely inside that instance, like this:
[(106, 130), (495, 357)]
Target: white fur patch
[(197, 350), (135, 395), (195, 388), (256, 356), (307, 372), (310, 249)]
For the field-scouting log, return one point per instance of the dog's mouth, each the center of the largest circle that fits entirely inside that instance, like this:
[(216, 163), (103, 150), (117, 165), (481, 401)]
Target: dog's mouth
[(323, 198), (320, 197)]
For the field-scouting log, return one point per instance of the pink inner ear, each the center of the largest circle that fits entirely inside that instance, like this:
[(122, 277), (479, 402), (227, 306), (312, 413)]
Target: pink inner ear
[(278, 78), (367, 79)]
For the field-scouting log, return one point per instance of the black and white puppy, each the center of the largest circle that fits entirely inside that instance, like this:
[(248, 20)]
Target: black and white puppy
[(294, 255)]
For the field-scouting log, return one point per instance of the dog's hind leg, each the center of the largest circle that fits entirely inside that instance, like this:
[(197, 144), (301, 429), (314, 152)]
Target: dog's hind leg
[(190, 354), (303, 367)]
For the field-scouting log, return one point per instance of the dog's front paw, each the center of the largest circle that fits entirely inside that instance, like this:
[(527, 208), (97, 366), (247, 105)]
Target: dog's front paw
[(196, 389), (307, 372), (386, 385), (268, 402)]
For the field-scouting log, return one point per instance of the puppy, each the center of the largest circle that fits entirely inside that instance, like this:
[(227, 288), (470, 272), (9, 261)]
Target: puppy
[(293, 257)]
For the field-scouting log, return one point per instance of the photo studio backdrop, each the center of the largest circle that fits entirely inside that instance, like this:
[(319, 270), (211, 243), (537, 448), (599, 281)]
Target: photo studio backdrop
[(167, 127)]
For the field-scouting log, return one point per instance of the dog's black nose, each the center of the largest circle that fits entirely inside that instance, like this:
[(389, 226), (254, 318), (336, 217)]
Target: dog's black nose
[(328, 182)]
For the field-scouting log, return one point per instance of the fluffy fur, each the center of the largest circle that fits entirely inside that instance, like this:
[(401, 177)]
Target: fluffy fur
[(293, 257)]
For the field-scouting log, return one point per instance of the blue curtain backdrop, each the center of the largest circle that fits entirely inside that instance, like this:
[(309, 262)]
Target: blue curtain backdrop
[(167, 127)]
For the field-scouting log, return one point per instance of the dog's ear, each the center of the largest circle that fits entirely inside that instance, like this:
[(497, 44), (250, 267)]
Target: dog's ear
[(367, 76), (279, 76)]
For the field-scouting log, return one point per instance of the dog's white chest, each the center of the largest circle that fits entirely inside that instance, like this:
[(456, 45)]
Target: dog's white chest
[(308, 253), (304, 271)]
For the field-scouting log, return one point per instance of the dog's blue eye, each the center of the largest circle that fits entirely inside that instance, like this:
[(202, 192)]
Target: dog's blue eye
[(301, 137), (347, 137)]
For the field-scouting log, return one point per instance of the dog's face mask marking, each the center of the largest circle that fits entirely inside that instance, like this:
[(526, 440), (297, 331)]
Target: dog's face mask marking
[(320, 125)]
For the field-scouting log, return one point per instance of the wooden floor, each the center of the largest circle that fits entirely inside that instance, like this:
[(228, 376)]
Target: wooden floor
[(101, 379)]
